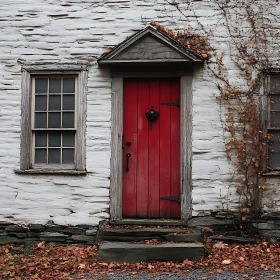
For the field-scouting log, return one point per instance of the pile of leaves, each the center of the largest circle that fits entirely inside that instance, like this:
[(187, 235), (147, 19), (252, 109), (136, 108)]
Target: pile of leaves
[(73, 261)]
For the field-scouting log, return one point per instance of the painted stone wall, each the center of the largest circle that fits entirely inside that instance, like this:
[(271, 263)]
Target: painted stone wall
[(78, 32)]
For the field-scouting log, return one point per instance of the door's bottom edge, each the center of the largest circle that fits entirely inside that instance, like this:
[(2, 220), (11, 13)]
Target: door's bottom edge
[(151, 222)]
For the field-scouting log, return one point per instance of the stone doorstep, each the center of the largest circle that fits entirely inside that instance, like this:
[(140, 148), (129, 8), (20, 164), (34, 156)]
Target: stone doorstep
[(134, 252), (169, 234), (139, 231), (149, 222), (130, 238), (185, 237)]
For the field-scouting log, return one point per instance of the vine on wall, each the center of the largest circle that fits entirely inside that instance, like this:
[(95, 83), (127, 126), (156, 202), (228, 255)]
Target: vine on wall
[(248, 25)]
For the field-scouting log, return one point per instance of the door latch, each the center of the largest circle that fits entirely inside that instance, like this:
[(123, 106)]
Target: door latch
[(128, 155)]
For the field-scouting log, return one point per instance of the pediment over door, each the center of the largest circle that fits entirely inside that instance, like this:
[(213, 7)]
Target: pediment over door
[(152, 46)]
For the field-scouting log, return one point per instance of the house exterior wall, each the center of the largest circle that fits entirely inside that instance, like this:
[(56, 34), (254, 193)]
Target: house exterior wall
[(78, 32)]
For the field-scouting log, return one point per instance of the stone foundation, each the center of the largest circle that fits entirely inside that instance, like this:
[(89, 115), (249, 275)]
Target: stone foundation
[(50, 233), (268, 226)]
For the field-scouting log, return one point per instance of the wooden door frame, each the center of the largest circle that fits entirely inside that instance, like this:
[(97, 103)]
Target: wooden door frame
[(185, 140)]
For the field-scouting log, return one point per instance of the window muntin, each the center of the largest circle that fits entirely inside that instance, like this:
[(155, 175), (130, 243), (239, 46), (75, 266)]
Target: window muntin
[(273, 130), (53, 121)]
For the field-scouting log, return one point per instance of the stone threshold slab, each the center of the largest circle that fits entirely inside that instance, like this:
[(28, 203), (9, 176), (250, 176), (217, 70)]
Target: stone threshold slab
[(150, 222), (134, 252), (139, 231)]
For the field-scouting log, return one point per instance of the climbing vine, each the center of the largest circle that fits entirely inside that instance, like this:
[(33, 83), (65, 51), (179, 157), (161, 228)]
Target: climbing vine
[(248, 25)]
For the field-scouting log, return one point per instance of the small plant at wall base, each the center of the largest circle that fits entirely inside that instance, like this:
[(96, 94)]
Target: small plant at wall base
[(247, 142)]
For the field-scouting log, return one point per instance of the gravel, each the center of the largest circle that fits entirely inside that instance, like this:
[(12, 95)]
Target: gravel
[(198, 274)]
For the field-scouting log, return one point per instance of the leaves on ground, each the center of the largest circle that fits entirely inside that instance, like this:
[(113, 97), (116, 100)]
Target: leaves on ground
[(67, 262)]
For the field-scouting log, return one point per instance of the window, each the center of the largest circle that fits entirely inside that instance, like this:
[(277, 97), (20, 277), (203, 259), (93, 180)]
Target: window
[(273, 122), (53, 120)]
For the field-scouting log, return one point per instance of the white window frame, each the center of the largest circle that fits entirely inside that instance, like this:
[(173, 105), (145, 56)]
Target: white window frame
[(26, 157)]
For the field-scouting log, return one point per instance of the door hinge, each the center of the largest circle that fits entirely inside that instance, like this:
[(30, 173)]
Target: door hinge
[(176, 198), (172, 103)]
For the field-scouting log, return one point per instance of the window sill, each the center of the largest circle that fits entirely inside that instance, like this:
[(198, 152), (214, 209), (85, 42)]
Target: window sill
[(272, 173), (50, 172)]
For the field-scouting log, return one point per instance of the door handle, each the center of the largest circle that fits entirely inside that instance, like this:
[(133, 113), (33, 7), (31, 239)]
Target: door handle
[(128, 155)]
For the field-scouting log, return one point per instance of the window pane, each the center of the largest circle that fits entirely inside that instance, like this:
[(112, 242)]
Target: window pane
[(275, 84), (40, 139), (40, 103), (274, 147), (68, 139), (68, 156), (68, 102), (275, 138), (274, 160), (69, 85), (40, 155), (275, 119), (68, 120), (54, 102), (54, 120), (55, 85), (54, 156), (41, 85), (275, 102), (40, 120), (54, 139)]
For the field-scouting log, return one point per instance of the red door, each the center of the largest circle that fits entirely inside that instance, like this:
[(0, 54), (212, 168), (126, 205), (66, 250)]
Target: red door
[(151, 149)]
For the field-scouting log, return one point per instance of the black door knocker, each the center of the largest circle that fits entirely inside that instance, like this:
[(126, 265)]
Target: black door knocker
[(152, 114)]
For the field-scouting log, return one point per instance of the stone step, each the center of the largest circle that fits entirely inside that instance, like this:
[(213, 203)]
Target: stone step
[(136, 252), (232, 239), (128, 234), (185, 237), (149, 222)]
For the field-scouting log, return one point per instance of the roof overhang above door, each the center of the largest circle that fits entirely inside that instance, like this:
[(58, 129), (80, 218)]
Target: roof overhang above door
[(150, 46)]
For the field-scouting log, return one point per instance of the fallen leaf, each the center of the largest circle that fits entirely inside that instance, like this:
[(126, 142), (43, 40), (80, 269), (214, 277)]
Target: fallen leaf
[(219, 245), (111, 265), (81, 266), (187, 262), (226, 262), (41, 245)]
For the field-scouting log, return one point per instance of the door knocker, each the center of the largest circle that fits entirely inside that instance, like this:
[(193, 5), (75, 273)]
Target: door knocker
[(152, 115)]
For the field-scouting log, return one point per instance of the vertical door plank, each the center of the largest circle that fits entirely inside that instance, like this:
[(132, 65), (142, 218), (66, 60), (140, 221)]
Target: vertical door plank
[(143, 158), (130, 134), (165, 148), (175, 149), (153, 201)]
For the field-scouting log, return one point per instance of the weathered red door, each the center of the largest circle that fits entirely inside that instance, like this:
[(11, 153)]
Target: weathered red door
[(151, 149)]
